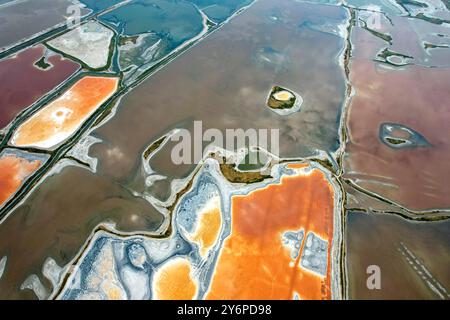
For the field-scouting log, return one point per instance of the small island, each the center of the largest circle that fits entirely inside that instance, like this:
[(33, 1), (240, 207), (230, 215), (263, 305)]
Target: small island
[(284, 101), (397, 136)]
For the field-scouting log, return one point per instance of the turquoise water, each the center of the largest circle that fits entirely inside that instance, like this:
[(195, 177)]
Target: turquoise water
[(173, 20), (162, 26)]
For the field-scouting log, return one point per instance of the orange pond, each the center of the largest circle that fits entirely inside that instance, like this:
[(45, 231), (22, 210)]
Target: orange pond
[(173, 281), (13, 171), (209, 226), (60, 119), (253, 263)]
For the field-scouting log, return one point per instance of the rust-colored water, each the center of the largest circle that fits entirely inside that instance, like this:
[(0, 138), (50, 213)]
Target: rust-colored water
[(13, 170), (253, 263)]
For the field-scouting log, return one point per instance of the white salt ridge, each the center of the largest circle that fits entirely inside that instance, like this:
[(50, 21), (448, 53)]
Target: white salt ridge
[(81, 151), (3, 265), (52, 271), (34, 284)]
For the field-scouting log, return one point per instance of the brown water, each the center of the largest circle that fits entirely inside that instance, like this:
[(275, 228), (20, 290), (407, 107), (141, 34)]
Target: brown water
[(377, 240), (223, 82)]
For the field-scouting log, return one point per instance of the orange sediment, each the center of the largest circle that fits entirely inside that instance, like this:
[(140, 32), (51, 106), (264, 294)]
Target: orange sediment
[(13, 171), (209, 226), (173, 281), (253, 263), (63, 117)]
